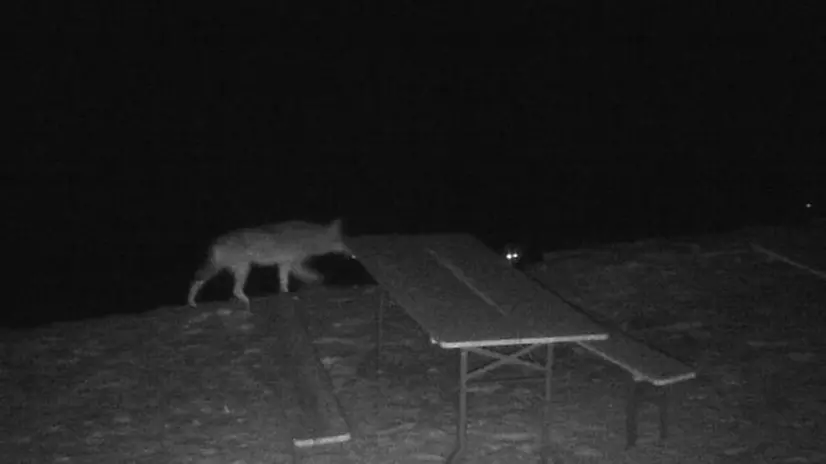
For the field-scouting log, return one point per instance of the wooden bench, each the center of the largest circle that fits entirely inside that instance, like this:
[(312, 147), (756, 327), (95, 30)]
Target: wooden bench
[(645, 365), (313, 408)]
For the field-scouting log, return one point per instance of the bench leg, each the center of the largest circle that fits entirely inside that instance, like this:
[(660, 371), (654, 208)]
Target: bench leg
[(545, 450), (663, 404), (461, 419), (631, 408), (635, 398)]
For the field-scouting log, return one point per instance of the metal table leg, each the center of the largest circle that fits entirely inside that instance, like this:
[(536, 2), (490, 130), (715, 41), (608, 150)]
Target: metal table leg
[(378, 405), (545, 450), (379, 325), (631, 407), (663, 400), (461, 424)]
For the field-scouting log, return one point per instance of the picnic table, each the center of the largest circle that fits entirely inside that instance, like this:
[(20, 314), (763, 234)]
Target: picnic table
[(468, 298)]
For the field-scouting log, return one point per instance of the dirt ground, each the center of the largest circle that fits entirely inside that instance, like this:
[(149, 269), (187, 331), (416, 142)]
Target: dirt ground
[(207, 385)]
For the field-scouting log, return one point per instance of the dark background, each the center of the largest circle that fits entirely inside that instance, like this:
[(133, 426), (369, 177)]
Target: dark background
[(142, 132)]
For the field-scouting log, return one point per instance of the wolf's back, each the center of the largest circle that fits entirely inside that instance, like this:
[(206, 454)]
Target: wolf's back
[(241, 247), (271, 244), (307, 237)]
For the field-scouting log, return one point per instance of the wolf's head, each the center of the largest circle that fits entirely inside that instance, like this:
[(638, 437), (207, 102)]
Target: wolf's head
[(336, 239), (513, 253)]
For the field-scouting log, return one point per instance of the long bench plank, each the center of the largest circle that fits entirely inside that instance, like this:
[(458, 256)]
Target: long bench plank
[(457, 302), (643, 362), (316, 418), (645, 365)]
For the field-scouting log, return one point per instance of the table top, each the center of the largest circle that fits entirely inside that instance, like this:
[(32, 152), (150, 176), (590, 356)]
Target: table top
[(465, 295)]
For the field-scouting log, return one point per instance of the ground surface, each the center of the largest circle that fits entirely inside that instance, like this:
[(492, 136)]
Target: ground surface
[(205, 386)]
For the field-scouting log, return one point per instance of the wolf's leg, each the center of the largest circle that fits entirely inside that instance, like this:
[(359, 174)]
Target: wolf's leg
[(206, 272), (305, 274), (284, 276), (241, 272)]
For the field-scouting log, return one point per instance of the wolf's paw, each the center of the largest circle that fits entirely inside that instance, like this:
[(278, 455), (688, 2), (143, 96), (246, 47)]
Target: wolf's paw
[(243, 300)]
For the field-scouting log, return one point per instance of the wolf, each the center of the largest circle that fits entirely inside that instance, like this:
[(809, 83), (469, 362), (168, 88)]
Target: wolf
[(286, 244)]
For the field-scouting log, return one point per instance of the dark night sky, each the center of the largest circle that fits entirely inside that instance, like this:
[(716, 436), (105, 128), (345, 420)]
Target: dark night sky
[(145, 131)]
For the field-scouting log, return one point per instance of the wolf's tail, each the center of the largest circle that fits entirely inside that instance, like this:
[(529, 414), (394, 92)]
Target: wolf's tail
[(207, 271)]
